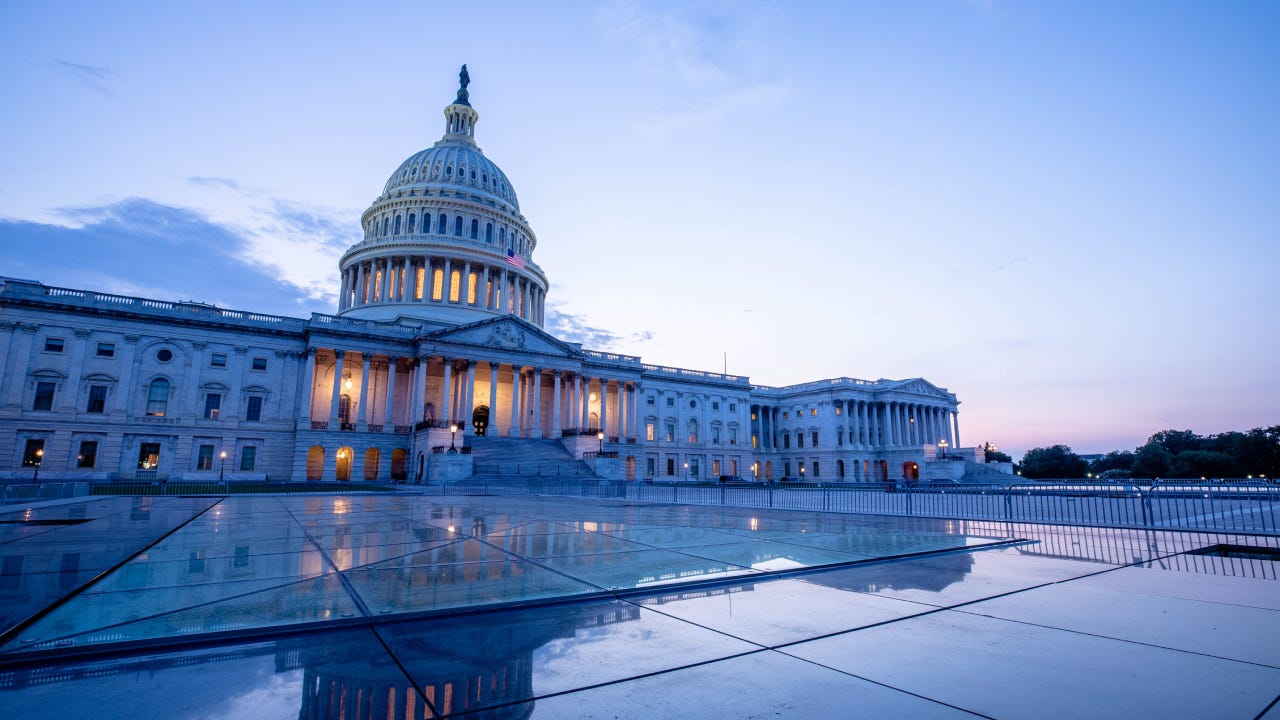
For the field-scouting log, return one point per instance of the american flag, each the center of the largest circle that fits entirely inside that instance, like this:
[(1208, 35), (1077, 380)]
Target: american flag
[(515, 260)]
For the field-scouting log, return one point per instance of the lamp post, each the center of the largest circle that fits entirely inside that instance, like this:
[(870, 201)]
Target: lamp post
[(801, 472), (39, 460), (686, 471), (222, 469), (942, 449), (453, 434), (600, 437)]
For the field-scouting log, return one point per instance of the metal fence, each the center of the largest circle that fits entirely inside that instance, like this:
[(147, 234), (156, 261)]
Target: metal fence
[(1236, 508), (34, 492)]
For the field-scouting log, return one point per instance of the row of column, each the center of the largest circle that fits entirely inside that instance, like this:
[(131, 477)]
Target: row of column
[(614, 409), (877, 424), (395, 279)]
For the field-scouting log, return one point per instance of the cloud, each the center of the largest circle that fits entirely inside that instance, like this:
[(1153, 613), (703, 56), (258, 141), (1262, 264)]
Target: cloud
[(574, 328), (91, 76), (706, 60), (214, 182), (144, 248)]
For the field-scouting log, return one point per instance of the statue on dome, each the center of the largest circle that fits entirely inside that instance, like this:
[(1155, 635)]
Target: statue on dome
[(464, 79)]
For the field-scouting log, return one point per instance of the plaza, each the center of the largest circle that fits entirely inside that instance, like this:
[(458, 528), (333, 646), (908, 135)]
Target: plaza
[(406, 605)]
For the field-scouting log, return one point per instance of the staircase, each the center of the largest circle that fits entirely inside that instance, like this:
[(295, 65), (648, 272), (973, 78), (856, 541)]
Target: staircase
[(508, 458), (982, 473)]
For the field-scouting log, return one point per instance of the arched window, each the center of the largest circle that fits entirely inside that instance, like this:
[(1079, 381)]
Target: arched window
[(426, 223), (397, 226), (488, 232), (502, 236), (471, 289), (457, 225), (693, 431), (158, 397), (371, 458), (386, 222), (437, 284), (420, 280), (475, 229), (455, 285), (315, 462), (397, 464), (412, 219), (442, 224)]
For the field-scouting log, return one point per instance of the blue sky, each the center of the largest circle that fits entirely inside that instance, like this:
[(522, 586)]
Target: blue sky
[(1065, 212)]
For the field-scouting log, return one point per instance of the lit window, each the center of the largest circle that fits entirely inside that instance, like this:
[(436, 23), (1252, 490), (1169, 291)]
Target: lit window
[(149, 456), (437, 284), (212, 406), (649, 430), (248, 458), (253, 412), (204, 459), (44, 396), (106, 350), (813, 412), (33, 452), (218, 360), (420, 281), (259, 363), (693, 431), (158, 397), (97, 399), (54, 345), (88, 455), (471, 289), (455, 282), (785, 415)]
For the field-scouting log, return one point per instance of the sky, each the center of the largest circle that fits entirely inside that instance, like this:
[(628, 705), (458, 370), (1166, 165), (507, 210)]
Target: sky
[(1067, 213)]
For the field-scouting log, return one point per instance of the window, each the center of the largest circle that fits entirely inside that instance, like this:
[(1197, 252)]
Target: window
[(715, 467), (241, 559), (502, 236), (97, 399), (693, 431), (693, 467), (733, 436), (88, 455), (471, 289), (715, 437), (815, 438), (693, 403), (785, 414), (259, 363), (786, 441), (813, 412), (733, 407), (839, 436), (488, 232), (33, 452), (218, 360), (648, 430), (671, 466), (412, 220), (442, 224), (649, 466), (158, 397), (475, 229), (671, 402), (106, 350), (837, 409), (212, 406), (455, 285), (253, 412), (204, 459), (54, 344), (44, 395), (816, 472), (386, 222), (164, 355), (437, 284), (649, 400), (715, 406), (799, 438), (457, 225), (396, 231), (248, 458), (426, 223), (149, 456)]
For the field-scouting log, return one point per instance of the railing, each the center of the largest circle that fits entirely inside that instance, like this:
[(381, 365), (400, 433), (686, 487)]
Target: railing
[(34, 492), (697, 374), (520, 471), (1252, 508), (236, 488)]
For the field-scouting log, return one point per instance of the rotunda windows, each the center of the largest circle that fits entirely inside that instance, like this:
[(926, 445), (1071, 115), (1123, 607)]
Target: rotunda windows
[(164, 355)]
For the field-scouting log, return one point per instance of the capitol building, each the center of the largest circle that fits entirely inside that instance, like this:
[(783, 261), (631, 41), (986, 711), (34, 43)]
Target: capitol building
[(434, 368)]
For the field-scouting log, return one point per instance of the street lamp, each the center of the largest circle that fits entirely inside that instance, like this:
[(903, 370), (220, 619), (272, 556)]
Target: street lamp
[(600, 437), (453, 434), (686, 471), (39, 460), (801, 472), (222, 469), (942, 449)]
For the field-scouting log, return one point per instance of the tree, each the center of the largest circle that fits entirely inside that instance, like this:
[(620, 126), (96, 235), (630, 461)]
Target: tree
[(1053, 462), (1176, 441), (1151, 461), (1204, 463), (1114, 460)]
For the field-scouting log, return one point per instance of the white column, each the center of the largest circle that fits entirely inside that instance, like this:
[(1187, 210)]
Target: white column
[(468, 410), (444, 409), (388, 417), (308, 386), (515, 401), (448, 280), (362, 420), (336, 389), (536, 426), (955, 420), (465, 294), (493, 397), (357, 298), (604, 405), (555, 407)]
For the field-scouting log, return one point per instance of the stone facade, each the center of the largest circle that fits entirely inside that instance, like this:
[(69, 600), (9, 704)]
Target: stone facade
[(439, 323)]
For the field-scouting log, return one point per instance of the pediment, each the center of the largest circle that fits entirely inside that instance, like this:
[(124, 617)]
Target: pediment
[(920, 386), (507, 333)]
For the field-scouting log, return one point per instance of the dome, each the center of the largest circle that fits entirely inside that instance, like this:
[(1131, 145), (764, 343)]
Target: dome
[(454, 163)]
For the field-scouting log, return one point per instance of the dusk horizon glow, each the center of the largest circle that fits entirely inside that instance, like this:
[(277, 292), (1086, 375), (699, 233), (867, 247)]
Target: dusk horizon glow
[(1064, 213)]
